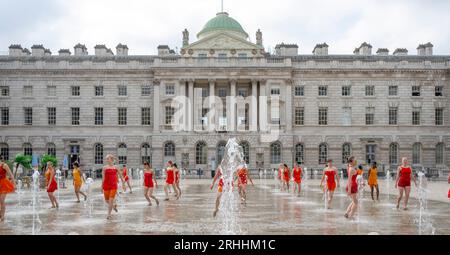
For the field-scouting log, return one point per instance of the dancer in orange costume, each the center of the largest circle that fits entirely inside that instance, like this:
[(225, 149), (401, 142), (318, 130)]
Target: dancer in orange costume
[(51, 184), (110, 174), (297, 174), (242, 175), (372, 180), (403, 182), (6, 186), (170, 179), (332, 178), (177, 180), (352, 188), (126, 179), (149, 183), (78, 180), (219, 176)]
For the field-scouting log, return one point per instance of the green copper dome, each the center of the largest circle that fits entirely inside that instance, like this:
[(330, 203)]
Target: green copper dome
[(222, 22)]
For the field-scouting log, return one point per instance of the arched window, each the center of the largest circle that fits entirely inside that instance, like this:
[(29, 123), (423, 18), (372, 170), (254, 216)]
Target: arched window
[(122, 154), (201, 153), (393, 154), (417, 153), (323, 153), (299, 153), (98, 154), (220, 151), (275, 153), (4, 150), (169, 149), (146, 153), (51, 149), (440, 154), (346, 152), (27, 149), (246, 150)]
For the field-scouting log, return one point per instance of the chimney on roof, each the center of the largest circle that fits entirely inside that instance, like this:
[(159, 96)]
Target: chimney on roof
[(37, 50), (122, 50), (400, 52), (286, 49), (15, 50), (100, 50), (64, 52), (26, 52), (382, 52), (321, 49), (80, 50), (163, 50), (47, 52), (365, 49), (428, 49), (421, 50)]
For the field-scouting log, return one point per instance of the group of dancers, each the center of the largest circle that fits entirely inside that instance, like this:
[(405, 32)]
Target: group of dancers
[(111, 173)]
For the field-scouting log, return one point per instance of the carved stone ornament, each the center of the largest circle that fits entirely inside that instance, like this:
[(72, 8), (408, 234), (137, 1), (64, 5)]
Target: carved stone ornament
[(211, 52), (233, 51), (190, 51), (261, 51), (254, 52), (183, 51)]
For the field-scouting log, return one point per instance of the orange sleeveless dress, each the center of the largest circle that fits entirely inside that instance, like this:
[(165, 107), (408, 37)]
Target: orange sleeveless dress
[(6, 186)]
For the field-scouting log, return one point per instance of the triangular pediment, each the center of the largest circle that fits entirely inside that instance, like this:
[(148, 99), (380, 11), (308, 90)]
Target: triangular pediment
[(222, 41)]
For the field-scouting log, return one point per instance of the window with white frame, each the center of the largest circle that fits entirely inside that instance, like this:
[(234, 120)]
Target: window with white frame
[(98, 90), (323, 153), (416, 91), (242, 92), (323, 90), (393, 90), (146, 116), (27, 149), (299, 153), (439, 116), (393, 154), (51, 91), (393, 115), (346, 152), (346, 90), (122, 154), (416, 116), (98, 154), (75, 113), (122, 90), (51, 149), (98, 116), (323, 116), (275, 153), (370, 90), (170, 89), (4, 91), (201, 153), (169, 149), (122, 116), (299, 91), (417, 153), (275, 112), (299, 116), (170, 111), (439, 91), (4, 116), (28, 116), (27, 91), (75, 91), (370, 115), (275, 91), (51, 116), (146, 153), (440, 154), (346, 116), (222, 92), (146, 90), (4, 151)]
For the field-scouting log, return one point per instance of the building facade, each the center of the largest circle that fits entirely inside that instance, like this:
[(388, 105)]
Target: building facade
[(183, 106)]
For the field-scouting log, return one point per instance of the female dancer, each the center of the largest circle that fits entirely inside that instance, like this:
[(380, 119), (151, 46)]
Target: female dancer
[(126, 178), (219, 176), (177, 180), (332, 178), (286, 176), (51, 184), (6, 186), (242, 174), (110, 173), (373, 180), (280, 176), (149, 180), (352, 188), (403, 182), (170, 179), (78, 180), (297, 173)]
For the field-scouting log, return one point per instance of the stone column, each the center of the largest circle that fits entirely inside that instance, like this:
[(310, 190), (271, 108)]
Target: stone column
[(233, 106), (156, 105), (262, 106), (212, 110), (182, 84), (288, 105), (254, 107), (191, 105)]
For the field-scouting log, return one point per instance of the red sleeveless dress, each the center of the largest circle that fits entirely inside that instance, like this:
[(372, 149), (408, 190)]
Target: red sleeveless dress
[(125, 175), (148, 180), (297, 175), (242, 176), (354, 186), (286, 175), (170, 176), (110, 179), (6, 186), (331, 182)]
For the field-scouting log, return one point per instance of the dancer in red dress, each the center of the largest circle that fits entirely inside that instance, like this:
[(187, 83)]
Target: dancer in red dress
[(286, 176), (352, 188), (403, 182), (331, 173), (51, 184), (6, 186), (170, 180), (126, 178), (297, 174), (110, 174), (280, 176), (242, 176), (149, 183), (177, 180), (219, 176)]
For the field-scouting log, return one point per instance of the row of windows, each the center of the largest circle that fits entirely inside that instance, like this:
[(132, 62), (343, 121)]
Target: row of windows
[(75, 91), (369, 90), (299, 116), (201, 152)]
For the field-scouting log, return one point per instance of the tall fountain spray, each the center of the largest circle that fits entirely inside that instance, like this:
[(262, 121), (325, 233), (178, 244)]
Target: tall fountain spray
[(19, 192), (232, 159), (360, 182), (388, 184), (325, 192), (58, 180), (35, 204), (89, 182), (423, 220)]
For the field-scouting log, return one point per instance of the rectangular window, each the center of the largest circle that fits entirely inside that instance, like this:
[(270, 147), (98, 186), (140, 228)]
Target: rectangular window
[(4, 116), (370, 115), (299, 117), (393, 116), (416, 116), (346, 90), (299, 91), (146, 116), (122, 115), (170, 89), (28, 91), (416, 91), (323, 116), (370, 91), (439, 116), (242, 92), (222, 92), (170, 111), (393, 90), (75, 116), (439, 91), (98, 116), (51, 91), (346, 116), (4, 91), (51, 116), (275, 91), (75, 91), (242, 55), (323, 90), (275, 112), (205, 92), (146, 90), (122, 90), (98, 91), (28, 116)]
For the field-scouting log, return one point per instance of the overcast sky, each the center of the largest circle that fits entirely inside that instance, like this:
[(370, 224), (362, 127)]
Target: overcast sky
[(145, 24)]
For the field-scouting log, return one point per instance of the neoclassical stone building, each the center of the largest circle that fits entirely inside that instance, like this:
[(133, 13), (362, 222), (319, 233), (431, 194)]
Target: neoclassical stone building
[(183, 106)]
